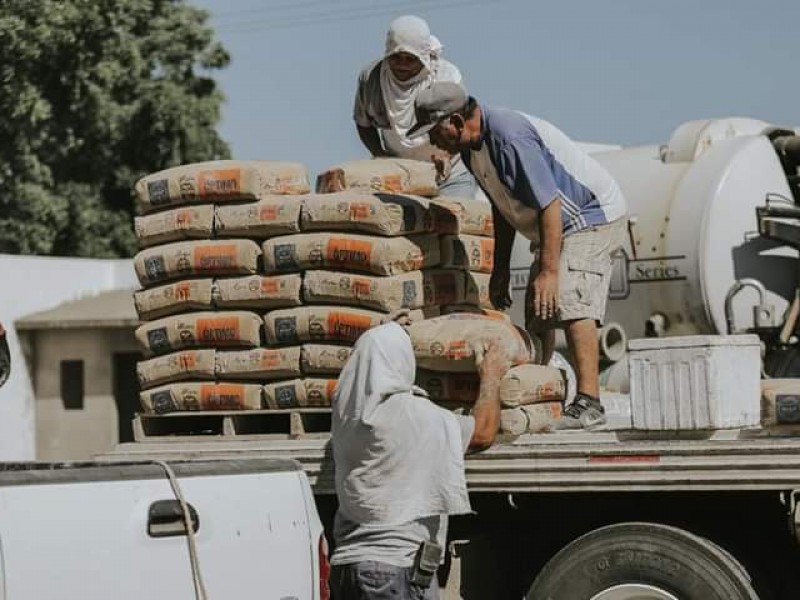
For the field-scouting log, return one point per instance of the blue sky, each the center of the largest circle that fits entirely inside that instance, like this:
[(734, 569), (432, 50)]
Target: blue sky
[(616, 71)]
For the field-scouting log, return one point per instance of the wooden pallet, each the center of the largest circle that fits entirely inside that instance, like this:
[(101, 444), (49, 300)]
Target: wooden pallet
[(282, 424)]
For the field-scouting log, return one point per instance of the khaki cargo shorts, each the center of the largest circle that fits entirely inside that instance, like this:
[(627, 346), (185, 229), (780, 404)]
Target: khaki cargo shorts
[(584, 275)]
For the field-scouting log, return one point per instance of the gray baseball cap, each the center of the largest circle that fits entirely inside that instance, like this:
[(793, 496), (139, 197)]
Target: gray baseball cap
[(440, 100)]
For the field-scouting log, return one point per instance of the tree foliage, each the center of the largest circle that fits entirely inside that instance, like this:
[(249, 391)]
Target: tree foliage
[(93, 95)]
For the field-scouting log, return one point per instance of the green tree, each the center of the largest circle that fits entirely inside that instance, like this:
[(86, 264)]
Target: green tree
[(93, 95)]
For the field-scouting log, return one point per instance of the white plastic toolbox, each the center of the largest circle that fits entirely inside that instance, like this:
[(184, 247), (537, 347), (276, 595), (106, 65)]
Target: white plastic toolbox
[(695, 382)]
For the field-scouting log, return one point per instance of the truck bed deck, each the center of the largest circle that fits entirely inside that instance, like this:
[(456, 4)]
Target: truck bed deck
[(602, 461)]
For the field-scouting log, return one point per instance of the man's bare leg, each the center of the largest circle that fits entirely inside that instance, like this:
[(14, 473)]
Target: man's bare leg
[(548, 339), (585, 350)]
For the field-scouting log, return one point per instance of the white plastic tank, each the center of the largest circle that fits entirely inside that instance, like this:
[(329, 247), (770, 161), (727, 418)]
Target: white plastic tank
[(692, 204)]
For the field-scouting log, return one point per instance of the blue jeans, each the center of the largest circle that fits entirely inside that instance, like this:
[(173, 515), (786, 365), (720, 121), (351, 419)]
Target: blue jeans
[(371, 580)]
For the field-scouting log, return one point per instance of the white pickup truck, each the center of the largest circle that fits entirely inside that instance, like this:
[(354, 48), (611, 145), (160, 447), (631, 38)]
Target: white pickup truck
[(100, 531)]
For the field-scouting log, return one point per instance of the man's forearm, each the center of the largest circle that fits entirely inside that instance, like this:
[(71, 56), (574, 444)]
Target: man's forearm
[(486, 413), (372, 140), (550, 234)]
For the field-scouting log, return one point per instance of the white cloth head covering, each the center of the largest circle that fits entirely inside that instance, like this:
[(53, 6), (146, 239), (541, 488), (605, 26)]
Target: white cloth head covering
[(398, 457), (412, 35)]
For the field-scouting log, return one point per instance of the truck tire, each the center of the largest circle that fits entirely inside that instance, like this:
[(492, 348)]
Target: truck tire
[(642, 561)]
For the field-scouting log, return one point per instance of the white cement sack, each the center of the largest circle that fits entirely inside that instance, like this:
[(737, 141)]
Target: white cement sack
[(173, 298), (469, 252), (318, 324), (220, 181), (380, 214), (299, 393), (456, 342), (477, 289), (196, 259), (368, 254), (324, 359), (532, 418), (259, 291), (201, 329), (393, 175), (259, 363), (177, 366), (416, 289), (462, 216), (187, 223), (450, 389), (201, 396), (532, 384), (270, 216)]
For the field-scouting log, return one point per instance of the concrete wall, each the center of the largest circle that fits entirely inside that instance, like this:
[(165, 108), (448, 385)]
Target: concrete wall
[(77, 434), (31, 284)]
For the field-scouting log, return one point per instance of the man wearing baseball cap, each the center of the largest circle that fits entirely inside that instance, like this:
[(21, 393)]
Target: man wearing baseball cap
[(545, 187)]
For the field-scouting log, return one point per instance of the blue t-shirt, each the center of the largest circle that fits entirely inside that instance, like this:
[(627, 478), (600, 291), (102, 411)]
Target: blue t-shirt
[(524, 163)]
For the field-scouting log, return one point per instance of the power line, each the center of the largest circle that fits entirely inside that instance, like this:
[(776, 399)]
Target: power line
[(301, 4), (344, 15)]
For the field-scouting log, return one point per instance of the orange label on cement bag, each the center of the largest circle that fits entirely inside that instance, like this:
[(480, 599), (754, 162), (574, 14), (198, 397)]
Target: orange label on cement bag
[(219, 182), (347, 326), (221, 395), (184, 218), (359, 210), (360, 286), (390, 183), (182, 290), (343, 251), (269, 286), (330, 385), (187, 360), (214, 258), (218, 330), (458, 350), (269, 213), (270, 358), (483, 255)]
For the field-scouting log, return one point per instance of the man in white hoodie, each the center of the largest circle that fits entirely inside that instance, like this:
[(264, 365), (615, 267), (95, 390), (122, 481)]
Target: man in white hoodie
[(399, 464), (384, 104)]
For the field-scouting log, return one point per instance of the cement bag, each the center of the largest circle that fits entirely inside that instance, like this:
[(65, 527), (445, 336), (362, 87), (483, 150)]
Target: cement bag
[(173, 298), (454, 342), (532, 418), (299, 393), (196, 259), (477, 289), (259, 363), (380, 214), (393, 175), (270, 216), (462, 216), (191, 222), (450, 389), (323, 359), (467, 252), (259, 292), (220, 181), (201, 396), (350, 252), (532, 384), (408, 290), (318, 324), (210, 329), (177, 366)]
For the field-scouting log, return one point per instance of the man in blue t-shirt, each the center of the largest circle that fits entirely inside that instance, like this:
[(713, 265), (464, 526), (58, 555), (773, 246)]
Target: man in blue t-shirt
[(543, 186)]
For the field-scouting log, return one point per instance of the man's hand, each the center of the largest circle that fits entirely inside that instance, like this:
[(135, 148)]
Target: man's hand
[(401, 316), (498, 287), (545, 294), (442, 164), (494, 362)]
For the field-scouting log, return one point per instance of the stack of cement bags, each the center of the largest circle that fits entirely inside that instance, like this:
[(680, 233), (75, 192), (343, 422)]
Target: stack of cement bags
[(448, 350), (203, 293)]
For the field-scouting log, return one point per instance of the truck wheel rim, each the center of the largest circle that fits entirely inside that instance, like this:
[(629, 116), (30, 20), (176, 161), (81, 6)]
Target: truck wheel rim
[(634, 591)]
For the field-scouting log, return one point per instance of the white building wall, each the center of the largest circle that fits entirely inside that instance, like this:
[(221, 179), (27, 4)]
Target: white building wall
[(31, 284)]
